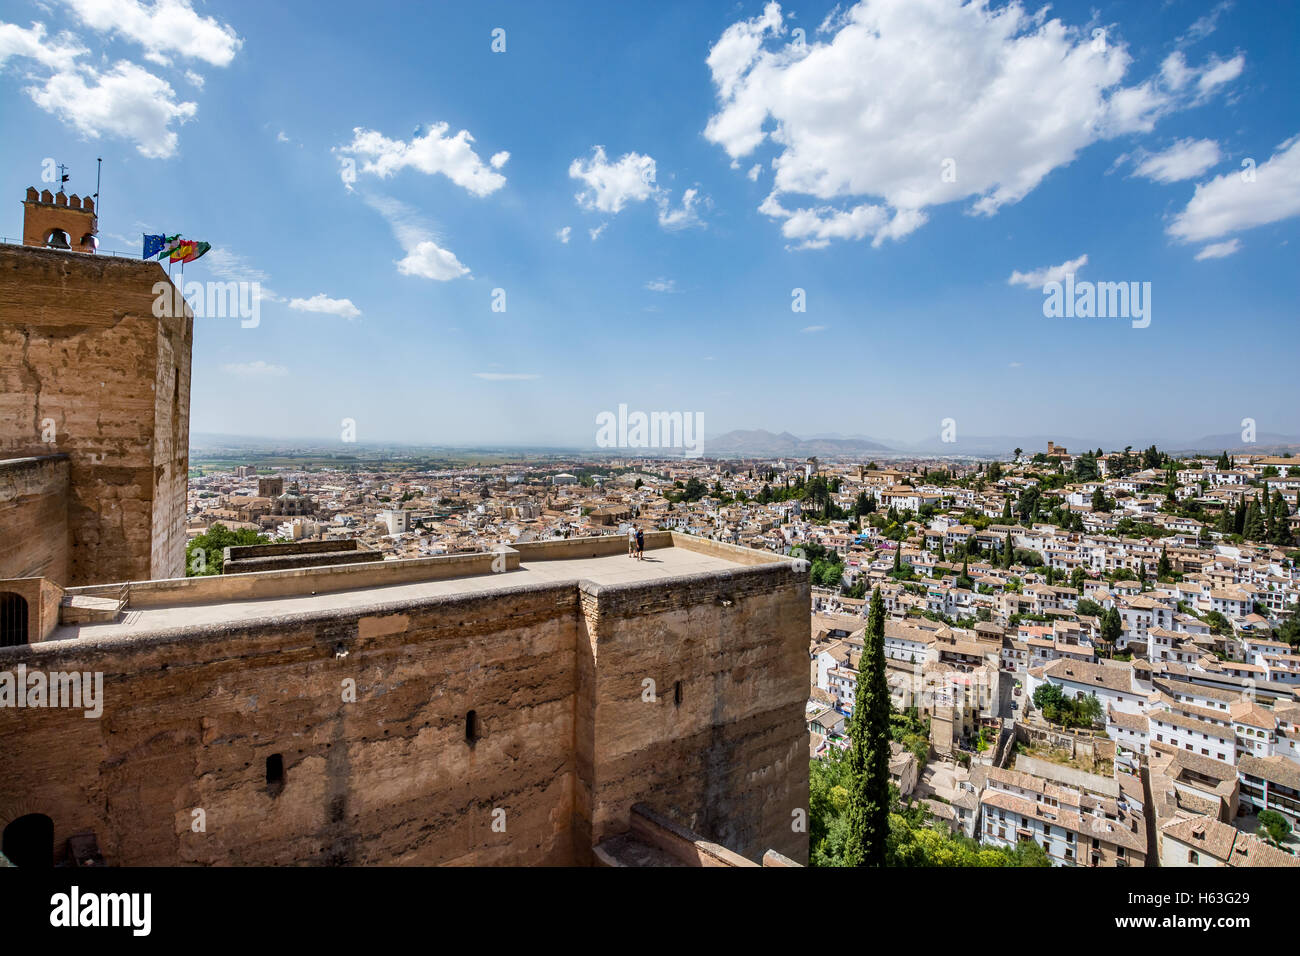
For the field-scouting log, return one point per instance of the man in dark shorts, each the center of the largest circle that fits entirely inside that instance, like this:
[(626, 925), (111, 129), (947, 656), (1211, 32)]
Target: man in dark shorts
[(640, 545)]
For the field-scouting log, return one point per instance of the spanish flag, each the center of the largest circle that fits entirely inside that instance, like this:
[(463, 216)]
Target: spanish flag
[(187, 250)]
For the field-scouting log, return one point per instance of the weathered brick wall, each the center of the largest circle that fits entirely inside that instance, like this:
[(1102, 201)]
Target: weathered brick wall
[(554, 673), (34, 518), (189, 722), (731, 760), (171, 450), (81, 353)]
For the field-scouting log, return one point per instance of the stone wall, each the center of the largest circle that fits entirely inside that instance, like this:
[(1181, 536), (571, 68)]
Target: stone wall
[(730, 760), (34, 517), (554, 674), (87, 370), (190, 721)]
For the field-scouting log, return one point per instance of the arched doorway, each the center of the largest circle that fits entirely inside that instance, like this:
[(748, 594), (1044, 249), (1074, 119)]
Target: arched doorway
[(13, 619), (29, 841)]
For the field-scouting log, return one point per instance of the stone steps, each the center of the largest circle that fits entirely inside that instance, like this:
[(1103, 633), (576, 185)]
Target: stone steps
[(83, 609)]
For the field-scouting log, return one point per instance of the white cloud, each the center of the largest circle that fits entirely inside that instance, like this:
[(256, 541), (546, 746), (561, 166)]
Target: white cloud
[(32, 43), (1205, 25), (563, 234), (817, 226), (754, 171), (809, 329), (322, 303), (258, 369), (195, 79), (611, 186), (1219, 250), (280, 137), (1038, 278), (1014, 365), (499, 159), (864, 121), (1175, 71), (428, 260), (685, 215), (596, 231), (126, 101), (434, 152), (424, 256), (662, 285), (1186, 159), (505, 376), (235, 268), (162, 28), (1232, 202), (1219, 72)]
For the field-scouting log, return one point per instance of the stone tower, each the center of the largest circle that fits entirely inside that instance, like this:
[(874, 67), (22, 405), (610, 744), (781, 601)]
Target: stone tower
[(88, 374), (57, 222)]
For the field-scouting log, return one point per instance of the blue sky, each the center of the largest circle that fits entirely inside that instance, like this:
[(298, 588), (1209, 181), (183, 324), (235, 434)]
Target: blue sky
[(780, 161)]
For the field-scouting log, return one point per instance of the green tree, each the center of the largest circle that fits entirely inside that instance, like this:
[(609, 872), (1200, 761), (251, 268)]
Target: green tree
[(205, 554), (868, 809), (1290, 629), (1281, 535), (1112, 626), (964, 579), (1254, 529), (1273, 826), (1027, 506)]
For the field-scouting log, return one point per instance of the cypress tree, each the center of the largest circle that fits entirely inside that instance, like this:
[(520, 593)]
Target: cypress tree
[(1281, 532), (1254, 526), (1112, 626), (868, 757)]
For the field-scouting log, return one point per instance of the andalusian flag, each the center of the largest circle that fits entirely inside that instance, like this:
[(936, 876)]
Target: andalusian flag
[(168, 244)]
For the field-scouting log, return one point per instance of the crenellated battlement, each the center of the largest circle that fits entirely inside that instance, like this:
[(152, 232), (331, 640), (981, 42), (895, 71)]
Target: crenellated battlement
[(59, 221)]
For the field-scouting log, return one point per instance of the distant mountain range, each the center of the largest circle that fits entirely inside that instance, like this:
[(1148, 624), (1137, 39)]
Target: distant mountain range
[(757, 443)]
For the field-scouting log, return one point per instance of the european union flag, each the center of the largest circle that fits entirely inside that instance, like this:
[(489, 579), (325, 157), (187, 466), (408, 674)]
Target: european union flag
[(152, 246)]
